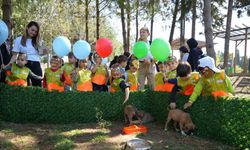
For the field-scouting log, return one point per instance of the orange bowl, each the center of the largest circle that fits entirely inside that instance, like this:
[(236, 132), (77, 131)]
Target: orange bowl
[(135, 129)]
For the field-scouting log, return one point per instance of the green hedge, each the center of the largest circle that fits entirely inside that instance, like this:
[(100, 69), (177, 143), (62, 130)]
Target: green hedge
[(226, 120)]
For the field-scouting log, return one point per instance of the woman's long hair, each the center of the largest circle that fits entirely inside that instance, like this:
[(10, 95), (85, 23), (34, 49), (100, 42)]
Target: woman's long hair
[(35, 40)]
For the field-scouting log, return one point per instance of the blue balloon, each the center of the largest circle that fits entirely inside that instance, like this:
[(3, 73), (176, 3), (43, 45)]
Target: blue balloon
[(4, 32), (81, 49), (61, 46), (105, 60)]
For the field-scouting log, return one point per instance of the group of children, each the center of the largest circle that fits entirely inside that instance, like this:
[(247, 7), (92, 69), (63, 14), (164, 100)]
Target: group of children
[(173, 77)]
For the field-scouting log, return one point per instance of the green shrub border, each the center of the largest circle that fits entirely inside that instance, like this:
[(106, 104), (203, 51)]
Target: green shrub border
[(226, 120)]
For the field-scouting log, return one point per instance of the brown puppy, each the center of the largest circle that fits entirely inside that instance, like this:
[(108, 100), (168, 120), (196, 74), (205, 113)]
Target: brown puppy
[(184, 120), (131, 112), (134, 116)]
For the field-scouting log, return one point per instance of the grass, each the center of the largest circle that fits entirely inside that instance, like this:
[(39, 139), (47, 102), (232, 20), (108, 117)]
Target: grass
[(90, 136)]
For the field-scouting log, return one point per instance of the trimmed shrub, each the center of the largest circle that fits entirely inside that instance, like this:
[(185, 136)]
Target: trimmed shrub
[(226, 120)]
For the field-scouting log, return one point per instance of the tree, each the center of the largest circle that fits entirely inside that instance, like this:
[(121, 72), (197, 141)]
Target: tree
[(227, 36), (208, 29), (87, 2), (193, 17), (136, 19), (122, 8), (128, 24), (173, 21)]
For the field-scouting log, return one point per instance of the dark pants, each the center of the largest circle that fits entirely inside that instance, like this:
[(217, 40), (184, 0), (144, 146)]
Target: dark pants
[(35, 67), (100, 88)]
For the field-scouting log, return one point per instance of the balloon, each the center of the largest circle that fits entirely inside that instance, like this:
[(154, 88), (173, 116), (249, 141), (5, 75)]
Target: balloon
[(140, 49), (104, 47), (61, 46), (105, 61), (81, 49), (160, 49), (4, 32)]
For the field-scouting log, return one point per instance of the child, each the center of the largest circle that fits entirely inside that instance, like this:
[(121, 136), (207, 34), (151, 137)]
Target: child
[(172, 64), (185, 82), (131, 75), (53, 76), (122, 61), (118, 82), (160, 77), (83, 79), (17, 73), (67, 70), (213, 81), (99, 74)]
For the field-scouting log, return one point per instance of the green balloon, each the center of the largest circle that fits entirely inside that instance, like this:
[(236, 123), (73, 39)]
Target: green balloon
[(140, 49), (160, 49)]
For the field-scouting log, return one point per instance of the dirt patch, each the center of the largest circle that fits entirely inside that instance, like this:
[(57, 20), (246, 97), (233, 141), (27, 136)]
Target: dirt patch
[(89, 136)]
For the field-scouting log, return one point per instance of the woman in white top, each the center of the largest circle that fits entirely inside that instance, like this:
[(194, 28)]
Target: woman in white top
[(29, 43), (184, 52)]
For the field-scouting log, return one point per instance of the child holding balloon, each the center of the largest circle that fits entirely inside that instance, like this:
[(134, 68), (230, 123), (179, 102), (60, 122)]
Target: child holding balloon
[(82, 78), (99, 74), (67, 70), (53, 76)]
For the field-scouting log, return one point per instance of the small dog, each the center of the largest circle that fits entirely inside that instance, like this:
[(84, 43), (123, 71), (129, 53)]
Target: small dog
[(184, 120), (134, 116)]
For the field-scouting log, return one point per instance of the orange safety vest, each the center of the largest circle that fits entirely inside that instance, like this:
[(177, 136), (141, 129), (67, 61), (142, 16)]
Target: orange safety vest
[(54, 80), (99, 77), (84, 81), (159, 83), (17, 76), (67, 70), (187, 86), (132, 79)]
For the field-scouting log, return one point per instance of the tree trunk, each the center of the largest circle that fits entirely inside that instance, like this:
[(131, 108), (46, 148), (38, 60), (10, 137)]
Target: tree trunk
[(193, 18), (136, 20), (173, 21), (208, 29), (128, 25), (121, 5), (7, 13), (152, 19), (97, 19), (182, 33), (227, 36), (87, 19)]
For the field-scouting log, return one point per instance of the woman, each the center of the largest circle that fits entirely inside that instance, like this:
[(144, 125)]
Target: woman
[(147, 65), (29, 43)]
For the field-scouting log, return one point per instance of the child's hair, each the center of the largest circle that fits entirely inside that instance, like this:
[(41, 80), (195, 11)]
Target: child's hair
[(22, 54), (122, 58), (183, 69), (95, 55), (161, 63), (56, 58), (171, 59), (126, 54), (134, 63), (71, 54), (183, 49)]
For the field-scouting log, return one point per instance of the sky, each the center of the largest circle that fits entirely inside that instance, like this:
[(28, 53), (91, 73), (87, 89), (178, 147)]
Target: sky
[(162, 30)]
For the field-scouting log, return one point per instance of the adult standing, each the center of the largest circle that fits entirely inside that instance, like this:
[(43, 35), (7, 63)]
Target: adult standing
[(29, 43), (147, 65), (195, 54)]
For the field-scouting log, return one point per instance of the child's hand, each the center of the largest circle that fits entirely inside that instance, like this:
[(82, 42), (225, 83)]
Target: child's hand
[(187, 105)]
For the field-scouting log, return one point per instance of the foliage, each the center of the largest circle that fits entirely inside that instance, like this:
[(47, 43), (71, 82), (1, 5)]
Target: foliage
[(227, 119), (100, 121)]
